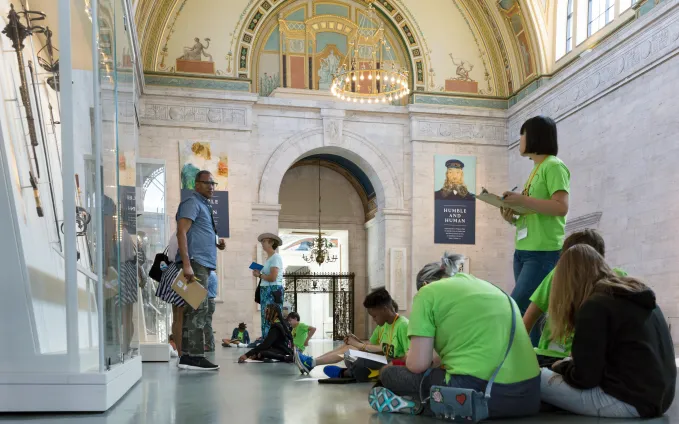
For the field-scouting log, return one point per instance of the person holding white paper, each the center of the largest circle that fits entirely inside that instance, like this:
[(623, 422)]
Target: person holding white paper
[(389, 339), (539, 236)]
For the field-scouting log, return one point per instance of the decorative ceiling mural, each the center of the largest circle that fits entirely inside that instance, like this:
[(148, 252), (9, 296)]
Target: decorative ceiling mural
[(472, 47)]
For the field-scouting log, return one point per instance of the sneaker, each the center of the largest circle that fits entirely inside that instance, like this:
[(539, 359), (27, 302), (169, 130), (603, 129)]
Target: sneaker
[(187, 362), (384, 400), (304, 363), (365, 374), (333, 371)]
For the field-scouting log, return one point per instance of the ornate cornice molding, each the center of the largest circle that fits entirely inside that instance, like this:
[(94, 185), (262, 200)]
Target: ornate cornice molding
[(165, 114), (618, 60)]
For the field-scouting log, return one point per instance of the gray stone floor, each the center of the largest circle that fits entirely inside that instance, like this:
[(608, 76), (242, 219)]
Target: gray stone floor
[(253, 393)]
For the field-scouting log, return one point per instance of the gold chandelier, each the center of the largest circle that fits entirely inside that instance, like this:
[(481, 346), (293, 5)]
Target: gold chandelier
[(320, 246), (363, 76)]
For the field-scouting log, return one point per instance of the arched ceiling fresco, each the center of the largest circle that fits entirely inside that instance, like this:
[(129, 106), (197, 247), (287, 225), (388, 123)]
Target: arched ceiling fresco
[(477, 47)]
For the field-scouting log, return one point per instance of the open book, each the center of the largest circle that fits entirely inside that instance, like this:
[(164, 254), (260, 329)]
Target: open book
[(498, 202), (369, 356)]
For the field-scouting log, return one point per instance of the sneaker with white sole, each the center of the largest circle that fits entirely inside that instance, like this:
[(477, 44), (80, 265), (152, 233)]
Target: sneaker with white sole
[(384, 400), (187, 362), (304, 363)]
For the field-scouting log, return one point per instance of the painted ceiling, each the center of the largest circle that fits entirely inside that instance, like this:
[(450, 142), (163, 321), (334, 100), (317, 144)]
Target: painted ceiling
[(474, 47)]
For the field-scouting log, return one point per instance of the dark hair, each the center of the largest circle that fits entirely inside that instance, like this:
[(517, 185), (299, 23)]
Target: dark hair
[(394, 305), (589, 237), (294, 315), (540, 132), (274, 244), (242, 326), (201, 173), (273, 312), (378, 298)]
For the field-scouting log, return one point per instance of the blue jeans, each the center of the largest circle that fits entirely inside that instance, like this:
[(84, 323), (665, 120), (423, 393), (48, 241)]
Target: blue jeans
[(593, 402), (530, 268), (519, 399)]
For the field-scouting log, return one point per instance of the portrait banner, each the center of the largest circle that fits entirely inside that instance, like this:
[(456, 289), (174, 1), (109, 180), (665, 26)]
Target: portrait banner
[(195, 156), (454, 199)]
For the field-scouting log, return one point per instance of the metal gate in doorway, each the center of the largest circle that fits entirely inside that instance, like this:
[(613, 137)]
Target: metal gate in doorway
[(341, 289)]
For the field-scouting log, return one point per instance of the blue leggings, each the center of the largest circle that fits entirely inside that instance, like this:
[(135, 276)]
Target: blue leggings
[(267, 297), (530, 268)]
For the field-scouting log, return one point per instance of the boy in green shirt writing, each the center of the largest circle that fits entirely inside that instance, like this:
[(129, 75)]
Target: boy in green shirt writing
[(549, 351), (301, 332)]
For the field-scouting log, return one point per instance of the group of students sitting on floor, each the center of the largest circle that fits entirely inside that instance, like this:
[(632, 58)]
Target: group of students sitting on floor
[(605, 350)]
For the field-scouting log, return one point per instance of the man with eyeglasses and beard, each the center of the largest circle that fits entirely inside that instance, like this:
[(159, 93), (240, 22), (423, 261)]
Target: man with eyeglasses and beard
[(197, 256)]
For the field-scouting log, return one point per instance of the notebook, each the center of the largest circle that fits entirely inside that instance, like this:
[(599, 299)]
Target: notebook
[(193, 293), (369, 356), (256, 267)]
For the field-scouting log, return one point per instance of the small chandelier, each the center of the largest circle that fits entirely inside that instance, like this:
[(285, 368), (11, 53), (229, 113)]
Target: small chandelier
[(363, 76), (319, 249)]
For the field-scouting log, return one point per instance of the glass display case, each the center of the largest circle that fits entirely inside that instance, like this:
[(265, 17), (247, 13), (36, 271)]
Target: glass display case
[(152, 234), (73, 245)]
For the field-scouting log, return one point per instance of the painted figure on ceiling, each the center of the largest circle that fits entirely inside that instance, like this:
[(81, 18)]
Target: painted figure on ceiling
[(328, 68), (198, 50), (463, 69)]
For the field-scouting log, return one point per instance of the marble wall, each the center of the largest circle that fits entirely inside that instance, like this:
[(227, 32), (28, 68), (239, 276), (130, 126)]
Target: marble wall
[(394, 146), (617, 123)]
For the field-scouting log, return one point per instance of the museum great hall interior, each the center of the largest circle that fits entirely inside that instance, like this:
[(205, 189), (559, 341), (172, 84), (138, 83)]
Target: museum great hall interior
[(330, 123)]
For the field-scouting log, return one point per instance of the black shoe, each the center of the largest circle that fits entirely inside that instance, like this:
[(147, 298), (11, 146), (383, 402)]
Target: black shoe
[(187, 362)]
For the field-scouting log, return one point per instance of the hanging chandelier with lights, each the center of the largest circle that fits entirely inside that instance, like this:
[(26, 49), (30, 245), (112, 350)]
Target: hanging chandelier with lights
[(319, 249), (364, 76)]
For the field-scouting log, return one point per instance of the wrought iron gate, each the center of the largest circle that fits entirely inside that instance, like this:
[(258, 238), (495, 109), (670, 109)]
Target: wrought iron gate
[(341, 290)]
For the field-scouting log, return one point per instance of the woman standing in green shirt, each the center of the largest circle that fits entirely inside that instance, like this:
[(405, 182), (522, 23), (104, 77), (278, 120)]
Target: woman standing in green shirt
[(467, 322), (539, 235)]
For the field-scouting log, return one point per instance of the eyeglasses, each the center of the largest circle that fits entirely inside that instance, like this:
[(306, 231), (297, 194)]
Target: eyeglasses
[(212, 183)]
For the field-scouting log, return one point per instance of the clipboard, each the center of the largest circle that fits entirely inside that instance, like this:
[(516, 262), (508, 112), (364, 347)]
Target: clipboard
[(193, 293), (498, 202)]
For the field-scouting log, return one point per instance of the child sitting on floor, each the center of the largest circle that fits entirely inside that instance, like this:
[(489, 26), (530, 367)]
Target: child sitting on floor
[(277, 346), (239, 337), (549, 351), (390, 339), (301, 332), (622, 362)]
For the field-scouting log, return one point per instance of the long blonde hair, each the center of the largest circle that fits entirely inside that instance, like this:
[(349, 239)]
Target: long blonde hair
[(581, 273)]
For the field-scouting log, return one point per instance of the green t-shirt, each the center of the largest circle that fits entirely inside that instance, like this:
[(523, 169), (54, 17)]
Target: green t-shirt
[(547, 346), (470, 322), (299, 335), (393, 338), (240, 336), (545, 233)]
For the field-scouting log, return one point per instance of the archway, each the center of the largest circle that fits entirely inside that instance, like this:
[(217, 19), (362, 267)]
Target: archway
[(367, 238), (353, 147)]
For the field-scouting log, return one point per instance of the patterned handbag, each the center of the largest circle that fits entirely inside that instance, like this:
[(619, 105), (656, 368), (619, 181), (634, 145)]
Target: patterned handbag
[(456, 404)]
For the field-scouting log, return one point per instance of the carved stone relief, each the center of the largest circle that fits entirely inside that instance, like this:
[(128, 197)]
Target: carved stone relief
[(332, 131), (195, 114), (465, 130)]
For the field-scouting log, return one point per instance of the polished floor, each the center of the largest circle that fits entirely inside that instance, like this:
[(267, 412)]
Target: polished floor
[(254, 393)]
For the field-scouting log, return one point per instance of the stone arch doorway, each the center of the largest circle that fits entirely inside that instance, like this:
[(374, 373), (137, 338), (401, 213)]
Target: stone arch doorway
[(366, 250)]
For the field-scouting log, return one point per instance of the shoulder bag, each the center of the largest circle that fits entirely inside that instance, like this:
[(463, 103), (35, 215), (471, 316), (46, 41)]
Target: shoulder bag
[(456, 404)]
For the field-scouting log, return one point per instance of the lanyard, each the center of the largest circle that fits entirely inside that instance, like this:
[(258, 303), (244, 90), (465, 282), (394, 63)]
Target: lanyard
[(526, 188), (391, 335)]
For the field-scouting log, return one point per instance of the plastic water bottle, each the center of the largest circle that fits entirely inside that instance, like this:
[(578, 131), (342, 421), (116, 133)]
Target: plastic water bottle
[(163, 266)]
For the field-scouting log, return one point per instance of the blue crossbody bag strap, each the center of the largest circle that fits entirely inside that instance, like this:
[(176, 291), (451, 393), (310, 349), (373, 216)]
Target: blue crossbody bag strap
[(509, 347)]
